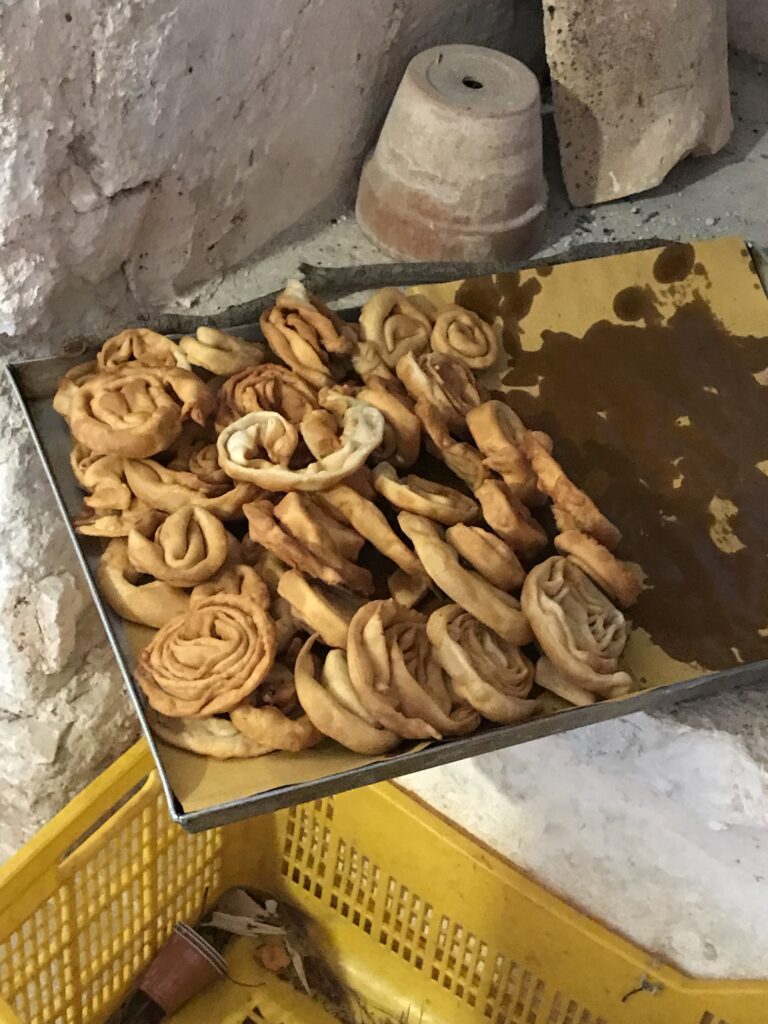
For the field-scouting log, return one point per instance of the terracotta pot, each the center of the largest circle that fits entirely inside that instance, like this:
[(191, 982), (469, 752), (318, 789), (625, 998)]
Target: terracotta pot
[(457, 171), (184, 966)]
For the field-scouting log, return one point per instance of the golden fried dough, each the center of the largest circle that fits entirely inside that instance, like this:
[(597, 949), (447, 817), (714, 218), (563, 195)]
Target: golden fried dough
[(318, 561), (150, 604), (616, 578), (462, 333), (319, 608), (490, 674), (579, 509), (396, 677), (493, 607), (220, 353), (578, 629), (185, 548), (141, 347), (209, 659), (267, 388), (304, 333), (488, 554), (423, 497), (137, 411), (331, 703)]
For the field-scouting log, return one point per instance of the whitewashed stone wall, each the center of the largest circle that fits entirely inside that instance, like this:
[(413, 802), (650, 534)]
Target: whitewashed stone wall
[(146, 145), (149, 144)]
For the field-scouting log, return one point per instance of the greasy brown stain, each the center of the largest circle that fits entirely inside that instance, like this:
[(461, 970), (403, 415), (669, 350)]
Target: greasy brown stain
[(503, 295), (637, 303), (674, 263), (544, 271), (644, 380)]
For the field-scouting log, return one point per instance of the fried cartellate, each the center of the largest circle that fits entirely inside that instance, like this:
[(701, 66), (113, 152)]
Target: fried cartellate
[(242, 580), (211, 737), (462, 333), (493, 607), (490, 674), (406, 589), (152, 604), (219, 352), (69, 384), (508, 517), (577, 628), (487, 554), (279, 721), (320, 561), (402, 430), (185, 548), (391, 325), (209, 659), (371, 523), (397, 678), (573, 509), (308, 519), (109, 522), (424, 497), (444, 382), (171, 490), (319, 608), (103, 476), (498, 432), (618, 579), (267, 388), (331, 703), (141, 347), (305, 334), (137, 411), (258, 448)]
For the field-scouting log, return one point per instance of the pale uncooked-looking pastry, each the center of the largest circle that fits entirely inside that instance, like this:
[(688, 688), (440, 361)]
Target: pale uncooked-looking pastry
[(258, 448), (211, 737)]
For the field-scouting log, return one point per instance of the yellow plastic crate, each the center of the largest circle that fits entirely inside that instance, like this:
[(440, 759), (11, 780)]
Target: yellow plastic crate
[(419, 919)]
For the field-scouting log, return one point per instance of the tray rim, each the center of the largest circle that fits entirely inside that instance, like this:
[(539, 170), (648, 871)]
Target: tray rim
[(491, 738)]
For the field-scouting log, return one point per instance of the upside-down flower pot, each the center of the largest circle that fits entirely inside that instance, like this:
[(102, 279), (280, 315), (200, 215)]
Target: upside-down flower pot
[(457, 171)]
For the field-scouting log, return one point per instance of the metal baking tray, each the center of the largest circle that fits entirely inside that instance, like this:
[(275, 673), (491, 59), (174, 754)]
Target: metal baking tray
[(34, 382)]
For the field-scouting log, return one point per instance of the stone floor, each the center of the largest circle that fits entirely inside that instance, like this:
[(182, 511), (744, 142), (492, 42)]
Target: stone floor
[(656, 825)]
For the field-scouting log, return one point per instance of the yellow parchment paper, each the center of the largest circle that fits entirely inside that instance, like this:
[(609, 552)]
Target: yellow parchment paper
[(649, 371)]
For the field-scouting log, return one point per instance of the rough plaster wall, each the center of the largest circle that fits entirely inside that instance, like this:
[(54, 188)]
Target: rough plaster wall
[(147, 144), (748, 26), (144, 145)]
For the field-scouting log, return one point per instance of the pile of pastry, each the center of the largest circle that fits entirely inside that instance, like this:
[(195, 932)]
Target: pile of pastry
[(339, 534)]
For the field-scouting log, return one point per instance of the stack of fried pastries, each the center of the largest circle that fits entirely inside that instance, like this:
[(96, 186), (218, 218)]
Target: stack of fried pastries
[(338, 533)]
